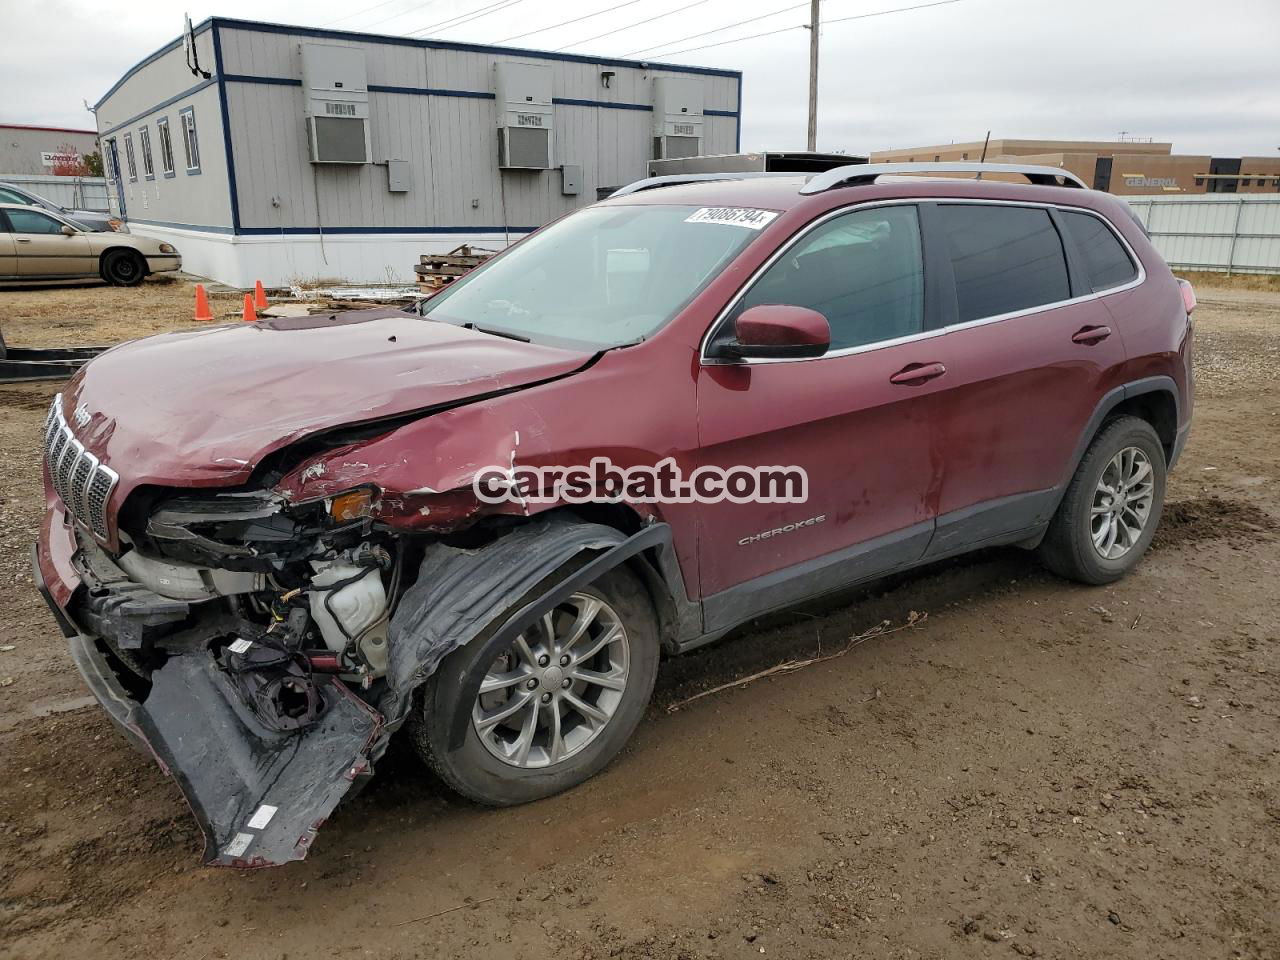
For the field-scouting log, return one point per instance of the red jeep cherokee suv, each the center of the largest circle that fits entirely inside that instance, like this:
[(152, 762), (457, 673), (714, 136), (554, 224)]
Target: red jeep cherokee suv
[(267, 542)]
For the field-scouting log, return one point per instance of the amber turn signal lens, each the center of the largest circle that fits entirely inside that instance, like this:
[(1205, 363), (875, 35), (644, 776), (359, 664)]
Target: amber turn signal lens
[(352, 505)]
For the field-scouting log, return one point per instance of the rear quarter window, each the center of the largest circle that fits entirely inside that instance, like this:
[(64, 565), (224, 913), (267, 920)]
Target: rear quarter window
[(1005, 259), (1106, 261)]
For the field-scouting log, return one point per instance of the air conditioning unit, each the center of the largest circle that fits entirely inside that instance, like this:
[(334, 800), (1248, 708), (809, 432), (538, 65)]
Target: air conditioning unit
[(678, 104), (336, 107), (525, 115)]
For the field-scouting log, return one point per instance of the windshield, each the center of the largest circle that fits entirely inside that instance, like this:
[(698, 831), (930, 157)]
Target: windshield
[(606, 276)]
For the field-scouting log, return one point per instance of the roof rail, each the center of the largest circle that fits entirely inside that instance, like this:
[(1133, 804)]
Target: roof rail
[(860, 174), (675, 179)]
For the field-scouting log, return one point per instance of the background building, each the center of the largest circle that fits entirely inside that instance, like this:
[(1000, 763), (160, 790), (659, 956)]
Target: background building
[(42, 150), (282, 153), (1122, 167)]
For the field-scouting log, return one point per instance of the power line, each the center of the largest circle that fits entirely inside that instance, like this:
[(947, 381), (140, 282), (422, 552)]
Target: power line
[(358, 13), (728, 26), (402, 13), (465, 17), (638, 23), (804, 26), (565, 23)]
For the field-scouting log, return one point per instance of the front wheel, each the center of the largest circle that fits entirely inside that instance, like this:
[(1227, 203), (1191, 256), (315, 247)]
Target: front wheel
[(123, 268), (552, 708), (1112, 506)]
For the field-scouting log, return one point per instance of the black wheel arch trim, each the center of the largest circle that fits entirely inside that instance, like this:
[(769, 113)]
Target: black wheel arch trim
[(652, 536), (1112, 399), (461, 593)]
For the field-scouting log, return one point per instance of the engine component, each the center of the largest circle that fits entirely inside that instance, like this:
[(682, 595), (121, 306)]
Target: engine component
[(349, 605), (184, 581)]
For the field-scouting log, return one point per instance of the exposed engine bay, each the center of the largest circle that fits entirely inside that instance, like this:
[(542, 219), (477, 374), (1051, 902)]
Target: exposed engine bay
[(284, 593), (265, 651)]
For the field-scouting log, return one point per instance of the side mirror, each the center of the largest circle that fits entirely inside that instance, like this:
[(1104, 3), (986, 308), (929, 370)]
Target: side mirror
[(776, 331), (68, 230)]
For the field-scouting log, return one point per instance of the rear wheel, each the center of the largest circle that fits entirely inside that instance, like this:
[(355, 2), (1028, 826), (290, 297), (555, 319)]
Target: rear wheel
[(123, 268), (550, 709), (1112, 506)]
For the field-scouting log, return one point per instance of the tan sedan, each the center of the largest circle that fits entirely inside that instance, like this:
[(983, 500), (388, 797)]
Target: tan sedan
[(40, 245)]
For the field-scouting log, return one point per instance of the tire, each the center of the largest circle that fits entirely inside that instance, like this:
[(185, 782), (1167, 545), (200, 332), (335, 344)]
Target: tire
[(1069, 548), (123, 268), (475, 768)]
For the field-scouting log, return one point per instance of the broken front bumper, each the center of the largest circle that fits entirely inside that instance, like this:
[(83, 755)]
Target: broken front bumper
[(259, 794)]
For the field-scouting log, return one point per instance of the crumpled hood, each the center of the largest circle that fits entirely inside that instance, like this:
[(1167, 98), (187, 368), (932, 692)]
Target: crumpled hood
[(202, 408)]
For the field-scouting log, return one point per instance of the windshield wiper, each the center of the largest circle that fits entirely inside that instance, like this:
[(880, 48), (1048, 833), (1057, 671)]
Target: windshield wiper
[(497, 333)]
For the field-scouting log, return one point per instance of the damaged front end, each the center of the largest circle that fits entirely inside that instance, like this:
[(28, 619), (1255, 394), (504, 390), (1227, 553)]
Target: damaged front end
[(240, 638), (264, 647)]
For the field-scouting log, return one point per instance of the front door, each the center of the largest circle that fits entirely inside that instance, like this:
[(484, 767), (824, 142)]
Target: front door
[(853, 420), (8, 256), (43, 250)]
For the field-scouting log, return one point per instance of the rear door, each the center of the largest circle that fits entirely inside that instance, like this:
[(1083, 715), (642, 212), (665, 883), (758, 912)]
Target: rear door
[(1029, 352), (43, 250), (863, 440)]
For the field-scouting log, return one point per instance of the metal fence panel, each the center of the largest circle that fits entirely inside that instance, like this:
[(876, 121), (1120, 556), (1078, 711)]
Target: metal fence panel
[(1236, 234), (76, 193)]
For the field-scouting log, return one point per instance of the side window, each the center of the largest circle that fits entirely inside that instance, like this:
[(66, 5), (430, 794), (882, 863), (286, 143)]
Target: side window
[(1105, 258), (863, 271), (148, 166), (33, 221), (12, 196), (166, 146), (190, 146), (1004, 258), (128, 155)]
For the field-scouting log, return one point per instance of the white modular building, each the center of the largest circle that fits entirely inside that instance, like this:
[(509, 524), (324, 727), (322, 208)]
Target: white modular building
[(289, 154)]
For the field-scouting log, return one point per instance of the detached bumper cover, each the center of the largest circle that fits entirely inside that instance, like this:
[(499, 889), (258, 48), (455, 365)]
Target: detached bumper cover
[(258, 794)]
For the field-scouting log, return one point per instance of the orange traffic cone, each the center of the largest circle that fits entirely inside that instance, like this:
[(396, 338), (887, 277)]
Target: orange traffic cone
[(248, 316), (259, 296), (202, 304)]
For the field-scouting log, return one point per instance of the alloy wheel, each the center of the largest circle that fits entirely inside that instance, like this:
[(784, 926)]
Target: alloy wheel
[(558, 686), (1122, 503)]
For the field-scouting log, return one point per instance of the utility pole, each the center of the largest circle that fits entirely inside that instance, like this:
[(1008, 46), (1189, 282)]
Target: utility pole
[(813, 75)]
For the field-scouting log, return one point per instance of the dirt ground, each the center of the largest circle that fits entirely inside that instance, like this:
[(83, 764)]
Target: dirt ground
[(1036, 769)]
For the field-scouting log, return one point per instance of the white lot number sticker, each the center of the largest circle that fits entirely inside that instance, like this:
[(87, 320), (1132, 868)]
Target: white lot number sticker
[(734, 217)]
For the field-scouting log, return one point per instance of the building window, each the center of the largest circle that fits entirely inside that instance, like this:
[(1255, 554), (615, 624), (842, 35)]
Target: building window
[(1245, 181), (1199, 181), (190, 145), (148, 165), (128, 156), (964, 156), (166, 146), (937, 157), (109, 149)]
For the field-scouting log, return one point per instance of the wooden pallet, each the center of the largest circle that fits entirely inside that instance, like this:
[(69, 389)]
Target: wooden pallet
[(438, 270)]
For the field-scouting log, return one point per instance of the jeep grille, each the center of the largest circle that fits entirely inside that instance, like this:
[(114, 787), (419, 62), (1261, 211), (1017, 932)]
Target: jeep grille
[(83, 484)]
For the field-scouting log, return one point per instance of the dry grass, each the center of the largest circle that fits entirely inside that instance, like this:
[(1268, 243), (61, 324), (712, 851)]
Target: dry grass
[(1268, 283), (94, 313)]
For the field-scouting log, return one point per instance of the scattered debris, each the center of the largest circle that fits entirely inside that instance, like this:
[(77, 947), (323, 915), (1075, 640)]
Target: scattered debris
[(881, 629), (436, 271), (441, 913)]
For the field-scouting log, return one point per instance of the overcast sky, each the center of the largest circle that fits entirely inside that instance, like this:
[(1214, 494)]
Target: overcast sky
[(1205, 76)]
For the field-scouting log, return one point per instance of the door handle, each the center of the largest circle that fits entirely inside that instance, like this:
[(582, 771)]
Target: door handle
[(1091, 335), (914, 374), (21, 239)]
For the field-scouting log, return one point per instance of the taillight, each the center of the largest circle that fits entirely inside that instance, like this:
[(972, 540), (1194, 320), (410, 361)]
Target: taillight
[(1188, 295)]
